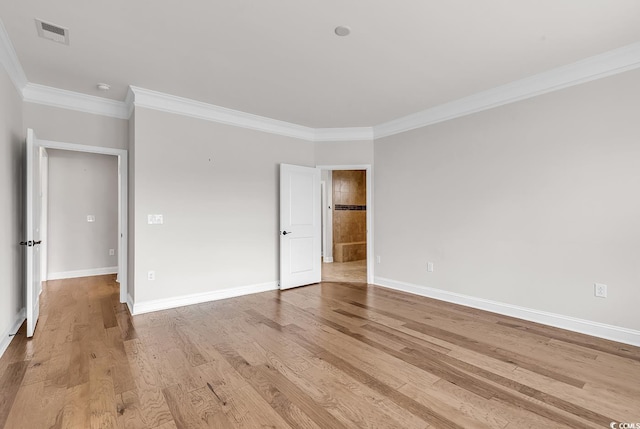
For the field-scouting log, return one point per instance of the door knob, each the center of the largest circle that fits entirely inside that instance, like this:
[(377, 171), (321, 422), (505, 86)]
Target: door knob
[(286, 232)]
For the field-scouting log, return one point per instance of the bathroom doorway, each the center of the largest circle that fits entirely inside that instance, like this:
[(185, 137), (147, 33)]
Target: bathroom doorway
[(346, 220)]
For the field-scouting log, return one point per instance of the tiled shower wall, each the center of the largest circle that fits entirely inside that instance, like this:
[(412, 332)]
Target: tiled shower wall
[(349, 215)]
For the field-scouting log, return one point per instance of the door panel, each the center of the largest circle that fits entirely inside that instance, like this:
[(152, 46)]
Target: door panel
[(300, 248), (301, 194), (300, 229)]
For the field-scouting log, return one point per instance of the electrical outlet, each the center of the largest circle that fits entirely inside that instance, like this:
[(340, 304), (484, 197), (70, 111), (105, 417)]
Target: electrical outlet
[(91, 218), (378, 259), (151, 275), (430, 267), (155, 219), (600, 290), (112, 252)]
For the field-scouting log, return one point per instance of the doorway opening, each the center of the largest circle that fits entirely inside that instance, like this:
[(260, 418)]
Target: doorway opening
[(81, 214), (36, 166), (114, 258), (346, 224)]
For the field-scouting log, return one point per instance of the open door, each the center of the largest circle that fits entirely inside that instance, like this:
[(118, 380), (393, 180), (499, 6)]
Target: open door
[(33, 240), (300, 229)]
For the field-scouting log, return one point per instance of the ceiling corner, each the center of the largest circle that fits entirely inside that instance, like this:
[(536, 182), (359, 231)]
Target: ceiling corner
[(596, 67)]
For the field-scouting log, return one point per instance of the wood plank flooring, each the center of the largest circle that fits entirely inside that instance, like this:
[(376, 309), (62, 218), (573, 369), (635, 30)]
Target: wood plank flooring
[(333, 355), (352, 272)]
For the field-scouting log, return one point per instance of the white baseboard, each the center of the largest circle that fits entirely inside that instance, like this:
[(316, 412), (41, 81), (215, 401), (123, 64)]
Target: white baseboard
[(327, 259), (82, 273), (198, 298), (5, 340), (596, 329)]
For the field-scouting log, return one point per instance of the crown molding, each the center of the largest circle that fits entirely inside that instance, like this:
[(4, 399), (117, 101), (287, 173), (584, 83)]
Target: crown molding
[(592, 68), (210, 112), (49, 96), (607, 64), (141, 97), (9, 60)]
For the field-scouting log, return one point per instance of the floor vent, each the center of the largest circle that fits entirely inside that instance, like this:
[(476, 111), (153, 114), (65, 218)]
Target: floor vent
[(53, 32)]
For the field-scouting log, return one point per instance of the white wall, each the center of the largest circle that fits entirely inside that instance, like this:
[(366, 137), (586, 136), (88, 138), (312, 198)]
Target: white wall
[(70, 126), (82, 184), (11, 208), (217, 187), (528, 204), (344, 153)]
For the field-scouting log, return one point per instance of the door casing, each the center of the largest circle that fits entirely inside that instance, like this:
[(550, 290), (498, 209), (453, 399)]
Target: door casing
[(123, 176), (369, 178)]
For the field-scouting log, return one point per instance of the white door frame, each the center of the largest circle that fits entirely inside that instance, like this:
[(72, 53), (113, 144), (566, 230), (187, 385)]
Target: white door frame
[(44, 214), (323, 217), (123, 177), (369, 177)]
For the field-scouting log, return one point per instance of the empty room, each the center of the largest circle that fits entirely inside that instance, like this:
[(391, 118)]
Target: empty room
[(364, 214)]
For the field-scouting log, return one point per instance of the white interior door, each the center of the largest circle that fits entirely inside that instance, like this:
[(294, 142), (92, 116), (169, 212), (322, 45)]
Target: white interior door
[(300, 229), (33, 240)]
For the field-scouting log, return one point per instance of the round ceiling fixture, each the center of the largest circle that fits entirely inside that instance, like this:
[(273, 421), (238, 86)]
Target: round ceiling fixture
[(104, 86), (342, 30)]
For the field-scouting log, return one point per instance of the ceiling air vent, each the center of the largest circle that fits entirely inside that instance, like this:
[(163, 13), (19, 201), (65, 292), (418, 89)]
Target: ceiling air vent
[(52, 32)]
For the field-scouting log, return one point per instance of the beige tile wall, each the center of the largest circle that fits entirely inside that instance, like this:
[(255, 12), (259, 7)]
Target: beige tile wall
[(349, 226)]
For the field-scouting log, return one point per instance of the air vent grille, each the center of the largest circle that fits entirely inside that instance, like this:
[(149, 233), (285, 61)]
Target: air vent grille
[(52, 32)]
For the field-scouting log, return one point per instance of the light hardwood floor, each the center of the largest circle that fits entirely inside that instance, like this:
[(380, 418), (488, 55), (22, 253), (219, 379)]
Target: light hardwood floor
[(352, 272), (323, 356)]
